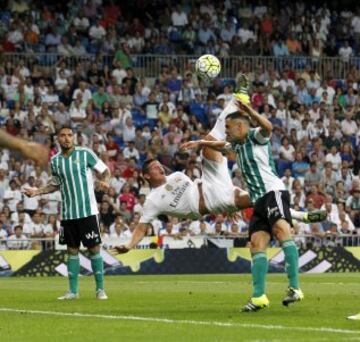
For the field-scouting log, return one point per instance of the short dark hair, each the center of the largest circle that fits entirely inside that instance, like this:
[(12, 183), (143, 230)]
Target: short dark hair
[(238, 115), (17, 227), (145, 167), (64, 127)]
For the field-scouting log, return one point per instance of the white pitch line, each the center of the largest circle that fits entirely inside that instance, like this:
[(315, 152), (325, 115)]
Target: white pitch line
[(183, 281), (175, 321)]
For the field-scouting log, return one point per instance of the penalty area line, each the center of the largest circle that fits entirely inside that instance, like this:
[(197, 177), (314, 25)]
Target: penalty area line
[(181, 321)]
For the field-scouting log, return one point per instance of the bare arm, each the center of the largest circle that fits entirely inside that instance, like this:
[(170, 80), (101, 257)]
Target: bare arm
[(28, 149), (264, 123), (137, 236), (47, 189), (106, 175), (104, 180), (220, 146)]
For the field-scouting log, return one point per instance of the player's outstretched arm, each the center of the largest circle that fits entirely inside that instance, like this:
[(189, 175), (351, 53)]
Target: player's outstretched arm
[(47, 189), (137, 236), (220, 146), (264, 123), (34, 151)]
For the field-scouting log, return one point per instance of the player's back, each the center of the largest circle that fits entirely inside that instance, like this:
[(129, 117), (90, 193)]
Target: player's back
[(256, 161)]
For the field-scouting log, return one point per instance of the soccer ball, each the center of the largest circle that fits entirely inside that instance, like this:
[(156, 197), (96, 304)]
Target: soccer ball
[(207, 67)]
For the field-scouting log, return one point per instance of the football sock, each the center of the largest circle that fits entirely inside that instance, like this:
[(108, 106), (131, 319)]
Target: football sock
[(259, 270), (291, 262), (73, 266), (297, 215), (97, 266)]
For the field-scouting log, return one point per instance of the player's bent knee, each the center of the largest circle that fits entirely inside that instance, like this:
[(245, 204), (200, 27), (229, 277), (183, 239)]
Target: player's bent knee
[(94, 250), (259, 242), (281, 230), (242, 199)]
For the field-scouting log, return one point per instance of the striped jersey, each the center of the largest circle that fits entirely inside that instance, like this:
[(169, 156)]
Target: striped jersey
[(254, 158), (74, 176)]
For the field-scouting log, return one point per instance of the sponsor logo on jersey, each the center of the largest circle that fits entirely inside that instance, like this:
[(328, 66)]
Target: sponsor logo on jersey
[(178, 192), (273, 211), (168, 187)]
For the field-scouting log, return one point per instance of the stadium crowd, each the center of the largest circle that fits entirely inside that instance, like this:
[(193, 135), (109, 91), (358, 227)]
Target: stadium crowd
[(126, 119), (242, 27)]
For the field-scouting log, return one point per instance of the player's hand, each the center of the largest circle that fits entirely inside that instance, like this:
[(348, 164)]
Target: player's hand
[(122, 249), (103, 186), (244, 107), (36, 152), (30, 192), (190, 145)]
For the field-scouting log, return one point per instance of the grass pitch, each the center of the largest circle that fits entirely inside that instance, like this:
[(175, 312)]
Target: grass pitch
[(178, 308)]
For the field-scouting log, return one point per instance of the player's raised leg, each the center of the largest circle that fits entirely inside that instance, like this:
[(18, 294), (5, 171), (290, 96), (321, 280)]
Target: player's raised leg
[(308, 216), (259, 269)]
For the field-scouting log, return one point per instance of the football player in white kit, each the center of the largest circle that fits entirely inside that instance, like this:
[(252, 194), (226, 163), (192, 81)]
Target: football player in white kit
[(177, 195)]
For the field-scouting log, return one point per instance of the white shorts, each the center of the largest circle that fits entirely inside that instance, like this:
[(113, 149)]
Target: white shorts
[(217, 186)]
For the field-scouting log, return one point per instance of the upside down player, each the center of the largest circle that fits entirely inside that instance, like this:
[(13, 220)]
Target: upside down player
[(268, 194), (177, 195)]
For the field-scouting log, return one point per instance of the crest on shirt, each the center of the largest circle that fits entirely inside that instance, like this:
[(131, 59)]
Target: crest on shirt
[(77, 161), (168, 187)]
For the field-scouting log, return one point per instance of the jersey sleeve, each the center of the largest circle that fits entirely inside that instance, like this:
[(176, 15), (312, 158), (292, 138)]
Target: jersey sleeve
[(258, 138), (55, 179), (150, 212), (94, 162)]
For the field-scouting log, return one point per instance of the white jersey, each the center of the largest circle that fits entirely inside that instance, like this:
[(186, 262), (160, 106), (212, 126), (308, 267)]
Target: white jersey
[(178, 197)]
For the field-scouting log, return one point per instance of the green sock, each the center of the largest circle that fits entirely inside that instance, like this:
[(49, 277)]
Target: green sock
[(291, 262), (259, 269), (97, 266), (73, 266)]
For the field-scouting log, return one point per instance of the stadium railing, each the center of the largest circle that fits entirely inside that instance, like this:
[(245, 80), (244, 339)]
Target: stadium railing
[(29, 243), (151, 65), (305, 241)]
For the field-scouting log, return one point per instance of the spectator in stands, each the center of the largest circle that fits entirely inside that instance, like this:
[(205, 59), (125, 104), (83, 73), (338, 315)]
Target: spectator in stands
[(18, 240), (12, 195), (312, 176), (345, 52)]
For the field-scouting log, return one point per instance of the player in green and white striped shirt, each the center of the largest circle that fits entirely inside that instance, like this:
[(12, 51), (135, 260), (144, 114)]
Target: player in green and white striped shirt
[(268, 194), (71, 172)]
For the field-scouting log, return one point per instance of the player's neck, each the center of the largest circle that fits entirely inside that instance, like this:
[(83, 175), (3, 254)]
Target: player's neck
[(156, 184), (67, 152)]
